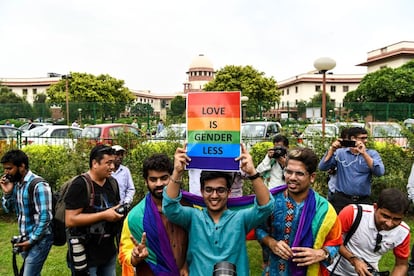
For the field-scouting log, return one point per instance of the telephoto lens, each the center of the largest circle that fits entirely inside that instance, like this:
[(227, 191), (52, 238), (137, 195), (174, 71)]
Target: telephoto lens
[(78, 254), (224, 269)]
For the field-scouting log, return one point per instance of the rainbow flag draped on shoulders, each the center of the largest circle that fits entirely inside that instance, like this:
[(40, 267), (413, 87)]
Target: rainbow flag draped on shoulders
[(145, 218)]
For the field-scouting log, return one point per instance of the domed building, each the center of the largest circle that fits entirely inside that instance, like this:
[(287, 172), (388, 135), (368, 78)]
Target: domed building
[(201, 71)]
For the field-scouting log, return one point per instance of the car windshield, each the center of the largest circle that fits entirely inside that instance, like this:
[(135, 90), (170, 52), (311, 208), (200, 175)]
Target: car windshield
[(91, 132), (172, 130), (252, 130), (386, 131), (317, 130), (35, 132)]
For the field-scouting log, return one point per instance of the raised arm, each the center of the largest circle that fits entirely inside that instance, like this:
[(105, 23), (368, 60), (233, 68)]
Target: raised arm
[(180, 160), (247, 166)]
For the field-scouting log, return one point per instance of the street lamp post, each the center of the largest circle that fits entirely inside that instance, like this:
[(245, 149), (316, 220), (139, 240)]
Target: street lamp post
[(80, 116), (323, 65), (244, 100), (67, 77)]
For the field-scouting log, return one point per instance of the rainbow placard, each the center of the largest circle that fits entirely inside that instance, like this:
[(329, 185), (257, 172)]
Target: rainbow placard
[(213, 130)]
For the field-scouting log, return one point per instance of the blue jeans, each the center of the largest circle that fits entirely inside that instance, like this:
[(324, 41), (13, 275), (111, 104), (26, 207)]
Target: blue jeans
[(36, 256), (108, 269)]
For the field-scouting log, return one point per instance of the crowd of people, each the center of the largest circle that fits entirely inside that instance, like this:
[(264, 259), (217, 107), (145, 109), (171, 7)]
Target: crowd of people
[(300, 231)]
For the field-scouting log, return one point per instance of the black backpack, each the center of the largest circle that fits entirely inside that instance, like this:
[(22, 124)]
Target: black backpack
[(59, 206)]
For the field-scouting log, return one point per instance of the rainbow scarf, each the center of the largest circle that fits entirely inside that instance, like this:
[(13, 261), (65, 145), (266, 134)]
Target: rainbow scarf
[(161, 260)]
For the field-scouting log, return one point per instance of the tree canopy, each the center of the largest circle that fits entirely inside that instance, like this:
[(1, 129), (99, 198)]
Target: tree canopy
[(262, 91), (85, 87), (105, 90), (386, 85)]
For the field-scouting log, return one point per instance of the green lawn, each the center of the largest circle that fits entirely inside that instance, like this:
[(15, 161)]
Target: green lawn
[(56, 261)]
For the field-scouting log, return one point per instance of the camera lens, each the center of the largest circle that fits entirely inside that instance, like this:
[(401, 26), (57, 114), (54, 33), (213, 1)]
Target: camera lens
[(78, 254), (224, 269)]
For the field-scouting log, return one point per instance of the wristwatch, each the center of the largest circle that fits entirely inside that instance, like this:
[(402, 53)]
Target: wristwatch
[(327, 254), (253, 177)]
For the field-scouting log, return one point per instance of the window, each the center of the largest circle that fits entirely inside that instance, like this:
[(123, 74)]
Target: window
[(34, 91), (296, 89), (333, 88), (24, 91), (345, 88), (317, 88), (287, 91)]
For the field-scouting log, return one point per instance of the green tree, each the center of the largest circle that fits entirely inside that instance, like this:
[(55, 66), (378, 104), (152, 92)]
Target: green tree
[(176, 112), (386, 85), (262, 91), (12, 105), (108, 92)]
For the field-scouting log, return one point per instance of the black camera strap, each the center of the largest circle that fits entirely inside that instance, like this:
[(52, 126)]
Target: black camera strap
[(348, 236), (15, 268)]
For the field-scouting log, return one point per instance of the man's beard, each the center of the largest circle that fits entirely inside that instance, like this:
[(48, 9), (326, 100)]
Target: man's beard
[(16, 177), (154, 192)]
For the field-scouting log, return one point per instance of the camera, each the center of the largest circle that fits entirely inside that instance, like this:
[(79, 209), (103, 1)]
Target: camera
[(279, 152), (224, 269), (18, 239), (123, 209), (347, 143)]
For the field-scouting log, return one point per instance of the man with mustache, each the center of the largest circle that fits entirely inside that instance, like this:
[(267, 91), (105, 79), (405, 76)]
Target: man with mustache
[(380, 230), (93, 216), (162, 245), (303, 232), (33, 209)]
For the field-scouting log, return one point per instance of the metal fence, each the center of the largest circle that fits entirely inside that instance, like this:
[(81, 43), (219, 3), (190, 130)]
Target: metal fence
[(98, 112)]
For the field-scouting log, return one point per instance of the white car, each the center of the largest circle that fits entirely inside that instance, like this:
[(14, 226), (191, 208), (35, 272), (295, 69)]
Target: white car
[(52, 135), (173, 132), (387, 131), (254, 132), (29, 126), (313, 132)]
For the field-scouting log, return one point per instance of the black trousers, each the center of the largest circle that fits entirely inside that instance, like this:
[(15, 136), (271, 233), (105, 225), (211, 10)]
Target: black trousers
[(339, 200)]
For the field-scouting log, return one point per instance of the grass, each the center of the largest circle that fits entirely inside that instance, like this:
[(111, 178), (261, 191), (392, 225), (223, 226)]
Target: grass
[(56, 261)]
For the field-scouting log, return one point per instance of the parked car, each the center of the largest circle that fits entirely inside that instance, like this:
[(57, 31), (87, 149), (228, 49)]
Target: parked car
[(314, 131), (254, 132), (172, 132), (9, 135), (109, 133), (387, 131), (52, 135), (28, 126)]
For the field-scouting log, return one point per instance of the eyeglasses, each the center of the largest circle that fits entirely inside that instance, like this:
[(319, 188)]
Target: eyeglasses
[(378, 241), (298, 173), (219, 190), (362, 137)]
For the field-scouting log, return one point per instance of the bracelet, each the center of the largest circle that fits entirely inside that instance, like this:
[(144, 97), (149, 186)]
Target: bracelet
[(253, 177), (177, 181)]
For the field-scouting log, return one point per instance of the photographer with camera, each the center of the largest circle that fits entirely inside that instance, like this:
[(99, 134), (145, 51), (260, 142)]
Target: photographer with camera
[(271, 167), (355, 166), (33, 206), (94, 218), (380, 229)]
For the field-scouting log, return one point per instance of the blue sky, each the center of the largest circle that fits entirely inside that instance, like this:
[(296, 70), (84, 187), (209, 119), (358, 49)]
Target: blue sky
[(150, 44)]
